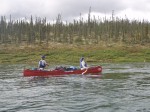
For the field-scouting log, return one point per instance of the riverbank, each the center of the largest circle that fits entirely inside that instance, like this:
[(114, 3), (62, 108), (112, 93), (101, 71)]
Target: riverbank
[(70, 54)]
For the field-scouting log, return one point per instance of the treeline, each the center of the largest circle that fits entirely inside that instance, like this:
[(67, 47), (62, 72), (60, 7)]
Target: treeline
[(93, 30)]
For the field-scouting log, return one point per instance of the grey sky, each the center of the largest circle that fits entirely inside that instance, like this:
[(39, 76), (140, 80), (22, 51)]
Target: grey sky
[(70, 9)]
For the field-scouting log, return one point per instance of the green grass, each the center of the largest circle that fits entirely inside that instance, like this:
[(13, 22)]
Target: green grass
[(70, 54)]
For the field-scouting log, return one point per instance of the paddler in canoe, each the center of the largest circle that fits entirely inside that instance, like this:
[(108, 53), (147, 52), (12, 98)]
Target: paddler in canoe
[(42, 63), (83, 65)]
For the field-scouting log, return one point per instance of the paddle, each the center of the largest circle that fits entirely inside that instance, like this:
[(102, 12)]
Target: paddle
[(84, 71)]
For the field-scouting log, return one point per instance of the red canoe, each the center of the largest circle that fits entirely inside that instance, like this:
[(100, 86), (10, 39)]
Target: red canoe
[(91, 70)]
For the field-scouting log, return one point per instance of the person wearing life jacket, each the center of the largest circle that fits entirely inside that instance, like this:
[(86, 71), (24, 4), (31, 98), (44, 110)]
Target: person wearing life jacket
[(83, 64), (42, 63)]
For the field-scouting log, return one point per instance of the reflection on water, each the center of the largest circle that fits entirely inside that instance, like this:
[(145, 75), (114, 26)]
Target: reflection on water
[(122, 88)]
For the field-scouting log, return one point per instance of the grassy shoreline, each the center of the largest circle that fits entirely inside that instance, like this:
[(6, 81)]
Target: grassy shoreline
[(70, 54)]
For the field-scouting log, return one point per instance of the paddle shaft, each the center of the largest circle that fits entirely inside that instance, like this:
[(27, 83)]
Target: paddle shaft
[(85, 71)]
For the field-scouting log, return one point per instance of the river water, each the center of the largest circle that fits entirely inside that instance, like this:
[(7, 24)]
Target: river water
[(121, 88)]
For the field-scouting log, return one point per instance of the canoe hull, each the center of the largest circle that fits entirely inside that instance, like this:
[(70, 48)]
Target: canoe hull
[(91, 70)]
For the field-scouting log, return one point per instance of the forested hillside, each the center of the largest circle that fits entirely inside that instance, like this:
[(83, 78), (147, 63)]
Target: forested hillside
[(93, 30)]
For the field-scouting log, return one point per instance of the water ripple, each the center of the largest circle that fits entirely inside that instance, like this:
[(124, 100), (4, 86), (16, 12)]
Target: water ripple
[(122, 88)]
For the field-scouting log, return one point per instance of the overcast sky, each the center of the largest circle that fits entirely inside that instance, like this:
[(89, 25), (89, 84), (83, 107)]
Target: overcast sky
[(71, 9)]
